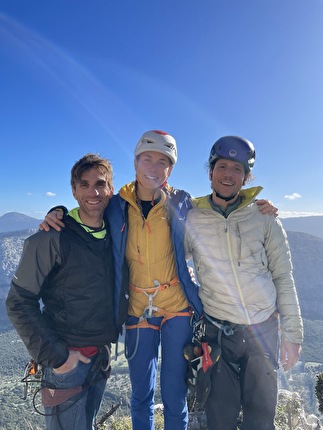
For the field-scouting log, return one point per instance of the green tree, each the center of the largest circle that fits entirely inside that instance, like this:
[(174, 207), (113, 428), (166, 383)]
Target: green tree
[(319, 390)]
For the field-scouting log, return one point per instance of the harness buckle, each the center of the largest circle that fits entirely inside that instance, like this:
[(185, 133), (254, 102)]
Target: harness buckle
[(228, 329)]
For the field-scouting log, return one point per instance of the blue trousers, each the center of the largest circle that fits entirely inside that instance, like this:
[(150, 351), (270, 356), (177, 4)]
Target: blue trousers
[(78, 412), (142, 346)]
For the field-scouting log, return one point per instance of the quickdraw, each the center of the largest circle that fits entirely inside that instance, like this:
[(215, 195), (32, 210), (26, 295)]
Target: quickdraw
[(32, 378), (51, 396)]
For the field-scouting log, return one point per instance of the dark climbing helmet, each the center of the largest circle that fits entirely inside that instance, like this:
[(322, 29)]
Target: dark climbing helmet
[(234, 148)]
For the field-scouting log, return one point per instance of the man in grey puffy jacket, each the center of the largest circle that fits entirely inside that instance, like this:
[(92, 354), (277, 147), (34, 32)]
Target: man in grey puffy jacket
[(243, 265)]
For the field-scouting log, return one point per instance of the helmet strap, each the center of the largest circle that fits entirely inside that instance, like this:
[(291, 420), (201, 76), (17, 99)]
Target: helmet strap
[(163, 185), (226, 199)]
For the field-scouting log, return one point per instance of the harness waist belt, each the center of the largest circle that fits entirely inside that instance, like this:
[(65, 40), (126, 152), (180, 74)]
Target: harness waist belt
[(158, 286), (217, 321)]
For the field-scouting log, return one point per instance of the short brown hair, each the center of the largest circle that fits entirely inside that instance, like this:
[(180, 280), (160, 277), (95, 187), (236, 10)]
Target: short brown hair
[(89, 161)]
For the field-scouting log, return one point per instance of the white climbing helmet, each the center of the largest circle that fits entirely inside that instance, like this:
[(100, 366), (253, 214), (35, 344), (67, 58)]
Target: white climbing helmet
[(157, 141)]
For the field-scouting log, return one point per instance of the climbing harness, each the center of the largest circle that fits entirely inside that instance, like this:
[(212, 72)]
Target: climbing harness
[(203, 353), (150, 310), (210, 331), (227, 328), (51, 396)]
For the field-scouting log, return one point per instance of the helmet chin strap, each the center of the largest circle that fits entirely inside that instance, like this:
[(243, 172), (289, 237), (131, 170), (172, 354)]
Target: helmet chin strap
[(226, 199), (161, 186)]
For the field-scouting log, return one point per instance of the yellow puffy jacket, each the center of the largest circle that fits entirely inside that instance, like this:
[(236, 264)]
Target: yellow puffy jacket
[(150, 255)]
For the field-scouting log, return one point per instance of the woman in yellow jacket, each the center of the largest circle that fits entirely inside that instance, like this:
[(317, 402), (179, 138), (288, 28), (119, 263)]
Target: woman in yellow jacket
[(162, 295)]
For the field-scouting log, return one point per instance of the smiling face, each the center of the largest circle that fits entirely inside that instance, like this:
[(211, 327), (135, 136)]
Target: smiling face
[(92, 193), (227, 178), (152, 170)]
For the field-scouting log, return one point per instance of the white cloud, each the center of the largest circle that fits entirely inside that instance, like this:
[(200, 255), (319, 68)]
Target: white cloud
[(50, 194), (295, 214), (293, 196)]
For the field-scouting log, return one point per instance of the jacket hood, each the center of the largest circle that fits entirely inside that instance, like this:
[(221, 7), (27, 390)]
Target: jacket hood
[(127, 192)]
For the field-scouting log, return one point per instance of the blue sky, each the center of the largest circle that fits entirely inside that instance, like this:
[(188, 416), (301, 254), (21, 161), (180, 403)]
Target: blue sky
[(82, 76)]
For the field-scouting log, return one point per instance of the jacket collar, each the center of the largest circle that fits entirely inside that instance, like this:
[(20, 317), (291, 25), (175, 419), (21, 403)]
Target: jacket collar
[(247, 195)]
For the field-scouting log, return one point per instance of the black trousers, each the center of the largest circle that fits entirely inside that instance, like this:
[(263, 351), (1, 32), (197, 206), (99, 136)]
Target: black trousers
[(245, 378)]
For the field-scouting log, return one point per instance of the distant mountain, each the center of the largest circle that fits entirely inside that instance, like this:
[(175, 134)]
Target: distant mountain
[(14, 221), (11, 245), (307, 257), (308, 224), (307, 254)]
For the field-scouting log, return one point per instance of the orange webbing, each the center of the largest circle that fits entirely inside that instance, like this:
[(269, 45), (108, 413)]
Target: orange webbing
[(142, 324), (160, 287), (166, 316)]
